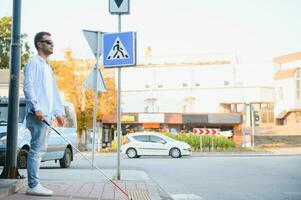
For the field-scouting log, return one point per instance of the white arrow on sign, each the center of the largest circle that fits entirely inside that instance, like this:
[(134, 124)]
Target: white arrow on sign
[(90, 83), (206, 131), (94, 42)]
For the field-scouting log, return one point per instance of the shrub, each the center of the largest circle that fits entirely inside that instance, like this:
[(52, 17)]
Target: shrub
[(194, 141)]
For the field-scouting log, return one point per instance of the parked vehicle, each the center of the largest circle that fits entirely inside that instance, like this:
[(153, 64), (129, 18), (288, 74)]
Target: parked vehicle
[(151, 143), (58, 149)]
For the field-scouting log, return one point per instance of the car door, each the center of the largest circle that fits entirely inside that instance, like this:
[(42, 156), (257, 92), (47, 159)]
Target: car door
[(142, 144), (56, 144), (158, 145)]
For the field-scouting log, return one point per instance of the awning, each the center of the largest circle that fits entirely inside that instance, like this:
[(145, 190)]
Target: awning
[(284, 74), (282, 114), (151, 125)]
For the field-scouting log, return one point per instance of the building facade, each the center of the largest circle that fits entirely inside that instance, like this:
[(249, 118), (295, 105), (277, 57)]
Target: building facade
[(288, 89), (182, 96)]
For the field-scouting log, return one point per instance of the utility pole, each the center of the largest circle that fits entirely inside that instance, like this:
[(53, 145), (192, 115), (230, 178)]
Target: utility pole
[(10, 170)]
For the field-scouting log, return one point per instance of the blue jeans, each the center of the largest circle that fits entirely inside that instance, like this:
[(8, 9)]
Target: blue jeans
[(38, 146)]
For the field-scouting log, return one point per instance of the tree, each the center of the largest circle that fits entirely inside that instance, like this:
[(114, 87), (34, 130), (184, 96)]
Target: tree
[(5, 40), (71, 74)]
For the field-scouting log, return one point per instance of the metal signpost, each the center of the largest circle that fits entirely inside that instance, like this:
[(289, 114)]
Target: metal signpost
[(119, 51), (95, 80), (253, 126), (250, 122), (206, 131)]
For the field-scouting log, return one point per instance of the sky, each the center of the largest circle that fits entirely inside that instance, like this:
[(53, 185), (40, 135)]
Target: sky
[(255, 31)]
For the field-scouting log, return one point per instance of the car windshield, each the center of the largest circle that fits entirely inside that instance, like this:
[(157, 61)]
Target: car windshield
[(4, 113)]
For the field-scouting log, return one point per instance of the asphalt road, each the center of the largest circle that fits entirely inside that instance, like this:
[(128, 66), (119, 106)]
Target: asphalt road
[(208, 178)]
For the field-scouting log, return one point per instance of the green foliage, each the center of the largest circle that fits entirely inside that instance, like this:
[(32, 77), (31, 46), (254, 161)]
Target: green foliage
[(219, 142), (5, 40)]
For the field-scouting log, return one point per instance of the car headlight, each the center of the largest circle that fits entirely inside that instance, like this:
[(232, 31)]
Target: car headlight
[(187, 148), (3, 140)]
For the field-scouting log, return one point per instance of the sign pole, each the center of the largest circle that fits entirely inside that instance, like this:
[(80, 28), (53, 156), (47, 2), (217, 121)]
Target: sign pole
[(119, 111), (212, 143), (120, 54), (201, 143), (95, 98), (253, 127)]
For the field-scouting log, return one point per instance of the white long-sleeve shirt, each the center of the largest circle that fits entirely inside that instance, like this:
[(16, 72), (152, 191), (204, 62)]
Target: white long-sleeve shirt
[(40, 89)]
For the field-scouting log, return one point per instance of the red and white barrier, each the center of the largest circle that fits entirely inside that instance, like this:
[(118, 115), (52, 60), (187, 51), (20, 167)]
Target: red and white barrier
[(206, 131)]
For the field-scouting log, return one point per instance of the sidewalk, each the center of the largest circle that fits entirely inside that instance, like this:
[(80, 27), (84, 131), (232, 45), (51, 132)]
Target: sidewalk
[(136, 184)]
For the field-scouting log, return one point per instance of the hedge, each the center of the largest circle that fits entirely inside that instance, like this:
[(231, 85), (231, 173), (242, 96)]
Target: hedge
[(219, 142)]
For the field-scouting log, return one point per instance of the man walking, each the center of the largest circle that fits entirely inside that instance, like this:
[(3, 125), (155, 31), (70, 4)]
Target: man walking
[(44, 103)]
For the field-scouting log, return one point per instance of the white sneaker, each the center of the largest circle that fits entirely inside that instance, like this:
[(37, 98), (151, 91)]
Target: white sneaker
[(39, 190)]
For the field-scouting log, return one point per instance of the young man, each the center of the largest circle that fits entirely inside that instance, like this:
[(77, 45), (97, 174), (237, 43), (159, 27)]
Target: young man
[(44, 103)]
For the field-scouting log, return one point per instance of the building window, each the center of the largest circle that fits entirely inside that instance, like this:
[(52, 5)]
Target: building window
[(160, 86), (146, 109), (197, 85), (151, 105), (233, 107), (298, 82), (184, 84), (277, 67), (225, 108), (226, 83), (188, 104), (184, 108), (280, 93), (147, 86)]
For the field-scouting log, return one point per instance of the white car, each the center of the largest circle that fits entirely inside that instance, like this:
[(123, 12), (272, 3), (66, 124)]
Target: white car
[(58, 149), (151, 143)]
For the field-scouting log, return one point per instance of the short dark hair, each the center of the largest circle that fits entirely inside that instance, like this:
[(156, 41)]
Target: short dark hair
[(39, 37)]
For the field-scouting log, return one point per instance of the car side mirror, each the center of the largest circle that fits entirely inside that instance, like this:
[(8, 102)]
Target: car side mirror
[(163, 142)]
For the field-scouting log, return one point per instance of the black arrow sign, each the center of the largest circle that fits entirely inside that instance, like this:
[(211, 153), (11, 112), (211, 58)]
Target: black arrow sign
[(118, 2)]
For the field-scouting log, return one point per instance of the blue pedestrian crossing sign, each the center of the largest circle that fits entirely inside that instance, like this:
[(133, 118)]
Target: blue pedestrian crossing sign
[(119, 49)]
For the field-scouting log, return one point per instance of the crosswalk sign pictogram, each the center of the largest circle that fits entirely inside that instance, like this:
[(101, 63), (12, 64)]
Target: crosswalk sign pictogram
[(119, 49)]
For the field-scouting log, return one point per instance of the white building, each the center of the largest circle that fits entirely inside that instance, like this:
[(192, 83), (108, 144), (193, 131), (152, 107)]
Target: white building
[(185, 95), (288, 89), (186, 89)]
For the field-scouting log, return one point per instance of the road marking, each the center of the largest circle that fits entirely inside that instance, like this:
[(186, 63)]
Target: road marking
[(186, 197)]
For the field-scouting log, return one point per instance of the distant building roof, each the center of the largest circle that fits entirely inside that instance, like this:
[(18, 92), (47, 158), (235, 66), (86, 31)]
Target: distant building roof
[(287, 58), (4, 76), (284, 74), (195, 59)]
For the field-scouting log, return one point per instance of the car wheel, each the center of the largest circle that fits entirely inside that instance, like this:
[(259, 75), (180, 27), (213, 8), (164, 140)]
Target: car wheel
[(131, 153), (22, 159), (66, 160), (175, 153)]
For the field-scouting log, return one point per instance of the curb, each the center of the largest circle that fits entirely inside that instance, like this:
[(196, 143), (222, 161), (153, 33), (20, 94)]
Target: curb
[(11, 186), (244, 154), (155, 191)]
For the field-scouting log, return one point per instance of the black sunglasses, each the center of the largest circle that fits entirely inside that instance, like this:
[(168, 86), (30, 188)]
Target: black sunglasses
[(49, 42)]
